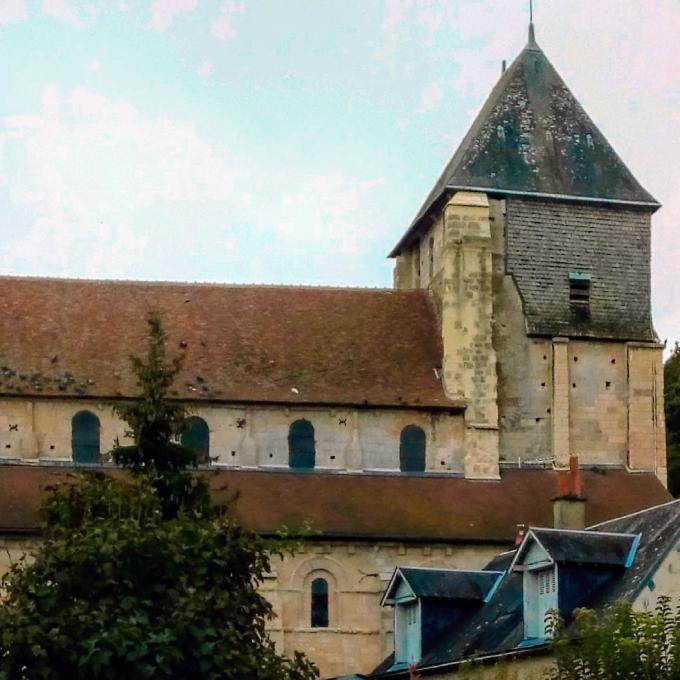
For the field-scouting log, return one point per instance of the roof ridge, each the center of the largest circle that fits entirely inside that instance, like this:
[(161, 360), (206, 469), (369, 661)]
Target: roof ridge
[(208, 284), (632, 514)]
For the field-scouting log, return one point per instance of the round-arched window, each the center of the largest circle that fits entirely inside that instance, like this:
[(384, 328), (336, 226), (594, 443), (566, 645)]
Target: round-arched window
[(301, 447), (196, 437), (85, 435), (412, 449), (319, 613)]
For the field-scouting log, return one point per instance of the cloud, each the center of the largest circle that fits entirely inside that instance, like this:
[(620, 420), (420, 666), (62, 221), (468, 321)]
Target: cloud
[(222, 28), (327, 211), (93, 66), (204, 68), (98, 177), (69, 12), (164, 11), (430, 96), (13, 10), (396, 13)]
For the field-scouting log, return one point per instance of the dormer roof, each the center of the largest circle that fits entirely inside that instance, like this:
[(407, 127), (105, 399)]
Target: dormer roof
[(447, 584), (533, 138), (580, 547)]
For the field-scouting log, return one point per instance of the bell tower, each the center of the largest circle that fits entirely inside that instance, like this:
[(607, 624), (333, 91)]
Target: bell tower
[(536, 243)]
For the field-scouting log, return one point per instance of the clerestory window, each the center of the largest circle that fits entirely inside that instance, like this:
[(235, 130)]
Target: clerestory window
[(301, 445), (196, 436), (85, 435)]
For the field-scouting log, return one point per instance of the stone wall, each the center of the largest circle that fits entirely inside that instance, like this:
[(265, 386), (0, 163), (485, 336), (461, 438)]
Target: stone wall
[(366, 439), (360, 632), (500, 273), (598, 402), (646, 420)]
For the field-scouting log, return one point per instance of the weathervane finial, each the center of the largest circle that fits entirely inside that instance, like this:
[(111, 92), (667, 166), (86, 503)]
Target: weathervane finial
[(532, 33)]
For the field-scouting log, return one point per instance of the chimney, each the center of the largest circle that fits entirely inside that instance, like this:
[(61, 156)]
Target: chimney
[(569, 506)]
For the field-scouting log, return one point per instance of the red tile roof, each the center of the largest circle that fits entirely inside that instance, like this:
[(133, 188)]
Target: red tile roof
[(373, 506), (275, 344)]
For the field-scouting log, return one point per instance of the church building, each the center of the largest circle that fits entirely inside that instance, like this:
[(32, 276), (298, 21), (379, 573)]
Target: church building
[(411, 426)]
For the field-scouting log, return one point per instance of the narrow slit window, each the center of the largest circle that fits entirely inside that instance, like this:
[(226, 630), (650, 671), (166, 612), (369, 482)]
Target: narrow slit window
[(579, 288), (319, 603)]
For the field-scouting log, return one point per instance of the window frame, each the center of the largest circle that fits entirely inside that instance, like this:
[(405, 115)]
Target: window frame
[(319, 618), (406, 464), (297, 440), (83, 434)]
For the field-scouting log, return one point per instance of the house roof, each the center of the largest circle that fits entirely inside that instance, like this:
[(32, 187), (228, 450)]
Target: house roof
[(497, 627), (584, 547), (277, 344), (447, 584), (532, 137), (374, 506)]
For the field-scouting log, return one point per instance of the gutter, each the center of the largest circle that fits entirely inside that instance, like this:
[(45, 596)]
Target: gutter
[(456, 665)]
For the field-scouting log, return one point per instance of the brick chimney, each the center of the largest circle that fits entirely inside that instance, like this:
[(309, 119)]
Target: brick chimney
[(569, 506)]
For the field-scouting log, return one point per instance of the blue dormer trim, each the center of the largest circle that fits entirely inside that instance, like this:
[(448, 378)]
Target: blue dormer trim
[(632, 552), (495, 587)]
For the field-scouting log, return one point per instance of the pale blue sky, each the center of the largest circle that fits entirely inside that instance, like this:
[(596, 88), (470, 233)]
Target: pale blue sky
[(292, 141)]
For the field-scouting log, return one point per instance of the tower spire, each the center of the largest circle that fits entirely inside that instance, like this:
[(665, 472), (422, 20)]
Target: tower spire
[(532, 32)]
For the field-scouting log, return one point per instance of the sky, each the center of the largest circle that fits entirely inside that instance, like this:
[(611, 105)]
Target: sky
[(292, 141)]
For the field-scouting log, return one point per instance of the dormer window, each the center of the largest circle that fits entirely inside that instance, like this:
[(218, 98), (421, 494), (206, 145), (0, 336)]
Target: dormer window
[(552, 560), (540, 598), (579, 288), (407, 632), (426, 601)]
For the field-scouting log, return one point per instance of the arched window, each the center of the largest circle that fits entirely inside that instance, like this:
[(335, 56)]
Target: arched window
[(196, 436), (301, 452), (85, 437), (412, 449), (319, 603)]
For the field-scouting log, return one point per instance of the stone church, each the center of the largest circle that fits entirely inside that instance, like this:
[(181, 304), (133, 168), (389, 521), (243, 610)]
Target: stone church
[(417, 425)]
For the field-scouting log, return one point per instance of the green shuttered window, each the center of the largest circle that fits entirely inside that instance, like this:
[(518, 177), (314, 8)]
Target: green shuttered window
[(301, 447), (412, 449), (85, 447), (196, 436)]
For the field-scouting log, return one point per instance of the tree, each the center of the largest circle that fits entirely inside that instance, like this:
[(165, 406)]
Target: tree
[(140, 574), (671, 375), (620, 644)]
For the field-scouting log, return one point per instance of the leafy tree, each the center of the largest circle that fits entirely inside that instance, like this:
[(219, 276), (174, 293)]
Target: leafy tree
[(140, 574), (621, 644), (671, 375)]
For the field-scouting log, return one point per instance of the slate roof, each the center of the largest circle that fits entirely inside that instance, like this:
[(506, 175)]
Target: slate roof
[(374, 506), (448, 584), (586, 547), (497, 627), (271, 344), (533, 137)]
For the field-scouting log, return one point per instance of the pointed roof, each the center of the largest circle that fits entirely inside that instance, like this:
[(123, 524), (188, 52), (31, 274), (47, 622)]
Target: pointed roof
[(532, 137)]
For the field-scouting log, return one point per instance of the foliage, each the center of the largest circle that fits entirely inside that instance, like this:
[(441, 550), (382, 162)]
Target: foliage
[(671, 374), (620, 645), (154, 422), (140, 574)]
